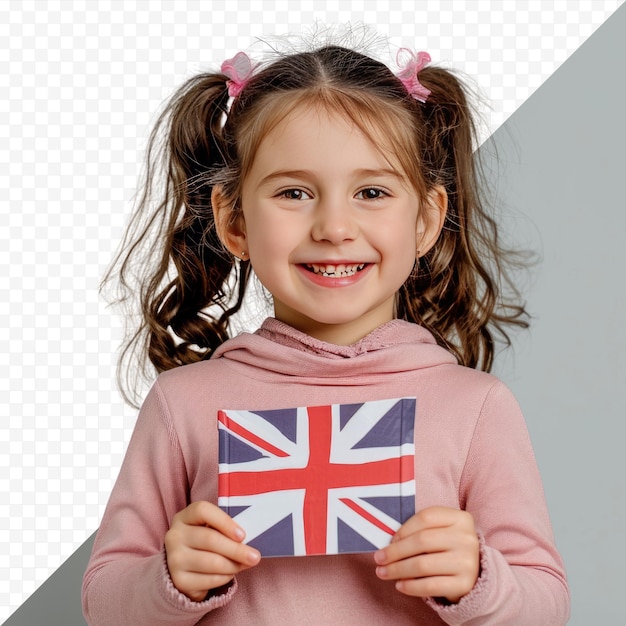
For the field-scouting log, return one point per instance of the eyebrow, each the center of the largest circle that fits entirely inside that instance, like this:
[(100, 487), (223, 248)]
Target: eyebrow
[(284, 174), (381, 172)]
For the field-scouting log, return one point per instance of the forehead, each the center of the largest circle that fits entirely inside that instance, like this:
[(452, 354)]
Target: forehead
[(309, 129), (296, 130), (316, 147)]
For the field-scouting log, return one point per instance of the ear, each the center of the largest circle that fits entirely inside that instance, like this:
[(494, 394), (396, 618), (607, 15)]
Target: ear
[(230, 226), (431, 218)]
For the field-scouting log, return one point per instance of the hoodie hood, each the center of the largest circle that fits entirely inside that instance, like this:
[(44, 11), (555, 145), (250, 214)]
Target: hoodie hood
[(277, 348)]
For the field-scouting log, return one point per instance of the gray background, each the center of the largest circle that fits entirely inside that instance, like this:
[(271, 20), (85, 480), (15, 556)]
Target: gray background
[(560, 182), (563, 165)]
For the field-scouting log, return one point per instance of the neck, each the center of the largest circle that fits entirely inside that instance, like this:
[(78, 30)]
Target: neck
[(338, 334)]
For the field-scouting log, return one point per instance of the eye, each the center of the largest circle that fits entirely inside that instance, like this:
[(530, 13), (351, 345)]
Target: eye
[(294, 194), (371, 193)]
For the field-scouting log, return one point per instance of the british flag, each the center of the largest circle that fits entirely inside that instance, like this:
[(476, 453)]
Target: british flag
[(318, 480)]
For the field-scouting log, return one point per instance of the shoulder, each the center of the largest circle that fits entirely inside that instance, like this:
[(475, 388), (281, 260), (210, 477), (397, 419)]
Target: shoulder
[(485, 405), (462, 401), (462, 383), (191, 373), (190, 383)]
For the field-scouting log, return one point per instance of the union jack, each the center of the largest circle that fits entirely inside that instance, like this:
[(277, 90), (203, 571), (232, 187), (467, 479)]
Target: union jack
[(318, 480)]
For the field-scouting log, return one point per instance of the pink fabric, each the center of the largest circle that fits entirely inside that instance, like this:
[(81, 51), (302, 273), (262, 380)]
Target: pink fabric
[(412, 64), (239, 70), (472, 452)]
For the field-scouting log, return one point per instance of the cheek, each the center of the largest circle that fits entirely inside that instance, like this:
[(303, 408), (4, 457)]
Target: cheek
[(398, 236), (409, 258), (270, 245), (273, 231), (402, 246)]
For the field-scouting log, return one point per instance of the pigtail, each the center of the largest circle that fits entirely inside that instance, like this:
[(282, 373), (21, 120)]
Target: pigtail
[(462, 291), (172, 265)]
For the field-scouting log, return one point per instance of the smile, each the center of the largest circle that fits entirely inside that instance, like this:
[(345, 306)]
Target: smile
[(335, 271)]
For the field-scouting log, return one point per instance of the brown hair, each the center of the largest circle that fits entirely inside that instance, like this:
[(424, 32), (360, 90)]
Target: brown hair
[(189, 286)]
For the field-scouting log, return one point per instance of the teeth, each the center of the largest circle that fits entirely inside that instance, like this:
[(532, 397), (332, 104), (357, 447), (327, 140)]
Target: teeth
[(338, 271)]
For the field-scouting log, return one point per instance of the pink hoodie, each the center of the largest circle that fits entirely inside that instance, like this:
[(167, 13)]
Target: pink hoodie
[(472, 451)]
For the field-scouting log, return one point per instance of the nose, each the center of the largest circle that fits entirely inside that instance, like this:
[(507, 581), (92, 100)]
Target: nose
[(334, 222)]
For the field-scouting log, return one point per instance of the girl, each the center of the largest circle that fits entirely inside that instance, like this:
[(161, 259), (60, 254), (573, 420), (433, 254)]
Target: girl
[(352, 194)]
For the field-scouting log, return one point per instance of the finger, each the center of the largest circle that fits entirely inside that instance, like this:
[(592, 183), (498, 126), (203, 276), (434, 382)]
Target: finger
[(429, 541), (208, 540), (204, 513), (428, 565), (196, 585), (431, 517), (194, 571), (422, 542), (204, 562), (434, 587)]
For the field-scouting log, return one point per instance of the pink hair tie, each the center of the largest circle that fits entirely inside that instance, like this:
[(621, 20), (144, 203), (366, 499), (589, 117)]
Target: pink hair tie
[(410, 68), (239, 70)]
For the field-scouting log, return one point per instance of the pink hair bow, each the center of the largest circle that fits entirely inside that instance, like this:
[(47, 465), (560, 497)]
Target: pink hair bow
[(410, 68), (239, 70)]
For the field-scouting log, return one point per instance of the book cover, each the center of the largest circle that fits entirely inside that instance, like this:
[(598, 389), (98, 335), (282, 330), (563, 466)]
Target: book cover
[(326, 479)]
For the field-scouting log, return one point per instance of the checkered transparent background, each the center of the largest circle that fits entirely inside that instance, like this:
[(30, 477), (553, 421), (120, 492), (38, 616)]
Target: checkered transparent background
[(81, 83)]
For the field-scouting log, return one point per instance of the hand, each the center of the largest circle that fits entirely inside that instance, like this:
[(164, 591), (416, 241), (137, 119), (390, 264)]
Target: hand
[(204, 550), (434, 553)]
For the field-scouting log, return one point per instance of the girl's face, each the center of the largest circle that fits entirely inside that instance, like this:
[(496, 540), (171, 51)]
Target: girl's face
[(331, 228)]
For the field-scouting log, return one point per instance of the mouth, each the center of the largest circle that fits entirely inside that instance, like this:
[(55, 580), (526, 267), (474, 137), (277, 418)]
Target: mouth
[(342, 270)]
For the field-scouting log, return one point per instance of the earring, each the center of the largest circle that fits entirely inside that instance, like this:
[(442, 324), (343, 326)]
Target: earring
[(243, 255)]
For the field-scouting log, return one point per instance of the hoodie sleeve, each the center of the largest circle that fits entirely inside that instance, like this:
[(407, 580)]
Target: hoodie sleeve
[(522, 580), (127, 581)]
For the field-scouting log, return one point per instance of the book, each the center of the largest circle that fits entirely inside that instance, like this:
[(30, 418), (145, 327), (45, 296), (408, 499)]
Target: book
[(329, 479)]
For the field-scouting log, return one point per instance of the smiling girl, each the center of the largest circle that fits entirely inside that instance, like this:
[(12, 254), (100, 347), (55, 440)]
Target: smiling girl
[(333, 238), (351, 194)]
